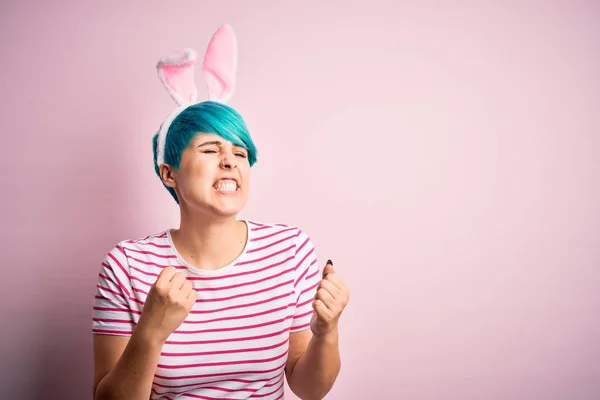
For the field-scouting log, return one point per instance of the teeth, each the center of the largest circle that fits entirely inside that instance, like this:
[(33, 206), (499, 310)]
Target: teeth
[(226, 185)]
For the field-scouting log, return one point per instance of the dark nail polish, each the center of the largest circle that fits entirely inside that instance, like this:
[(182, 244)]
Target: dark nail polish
[(330, 262)]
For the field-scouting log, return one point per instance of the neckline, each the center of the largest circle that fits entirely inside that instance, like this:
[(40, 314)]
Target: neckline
[(211, 272)]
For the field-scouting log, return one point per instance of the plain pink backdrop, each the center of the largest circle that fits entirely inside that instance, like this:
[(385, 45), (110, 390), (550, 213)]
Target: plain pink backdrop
[(445, 156)]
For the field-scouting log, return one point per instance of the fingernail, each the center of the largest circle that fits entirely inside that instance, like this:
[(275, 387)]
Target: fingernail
[(330, 262)]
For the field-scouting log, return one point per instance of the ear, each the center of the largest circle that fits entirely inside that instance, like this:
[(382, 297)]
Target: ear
[(166, 175), (220, 65), (176, 72)]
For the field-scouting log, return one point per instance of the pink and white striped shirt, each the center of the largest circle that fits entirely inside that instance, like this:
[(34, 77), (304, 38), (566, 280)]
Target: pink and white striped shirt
[(234, 342)]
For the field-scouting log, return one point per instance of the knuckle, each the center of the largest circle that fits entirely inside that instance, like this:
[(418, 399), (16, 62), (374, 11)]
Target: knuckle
[(172, 296), (161, 288)]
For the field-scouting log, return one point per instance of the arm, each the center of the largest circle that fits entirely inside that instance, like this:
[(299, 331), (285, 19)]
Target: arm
[(314, 358), (313, 364), (124, 367)]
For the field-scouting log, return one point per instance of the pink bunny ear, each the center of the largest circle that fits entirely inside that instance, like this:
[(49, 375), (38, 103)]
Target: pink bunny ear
[(176, 72), (220, 65)]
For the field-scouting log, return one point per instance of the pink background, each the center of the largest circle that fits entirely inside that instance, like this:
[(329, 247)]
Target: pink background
[(446, 157)]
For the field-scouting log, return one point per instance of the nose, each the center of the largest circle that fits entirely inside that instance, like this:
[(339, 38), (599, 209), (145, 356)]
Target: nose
[(228, 161)]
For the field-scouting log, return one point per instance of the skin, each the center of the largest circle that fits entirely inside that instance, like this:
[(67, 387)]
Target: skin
[(124, 366)]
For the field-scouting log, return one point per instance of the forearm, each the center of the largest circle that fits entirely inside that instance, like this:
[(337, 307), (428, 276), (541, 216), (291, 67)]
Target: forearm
[(131, 377), (317, 369)]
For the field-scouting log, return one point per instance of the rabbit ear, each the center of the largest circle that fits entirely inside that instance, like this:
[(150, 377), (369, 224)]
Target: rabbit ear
[(176, 72), (220, 65)]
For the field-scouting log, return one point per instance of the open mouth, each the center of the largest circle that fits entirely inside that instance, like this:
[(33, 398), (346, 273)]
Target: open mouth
[(226, 186)]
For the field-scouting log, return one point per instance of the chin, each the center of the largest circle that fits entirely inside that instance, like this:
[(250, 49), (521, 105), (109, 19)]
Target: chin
[(227, 208), (220, 205), (227, 212)]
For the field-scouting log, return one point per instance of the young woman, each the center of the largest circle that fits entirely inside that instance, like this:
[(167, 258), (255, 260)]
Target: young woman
[(220, 308)]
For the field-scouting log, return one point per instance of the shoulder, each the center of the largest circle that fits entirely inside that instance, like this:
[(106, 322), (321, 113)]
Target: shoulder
[(154, 245), (155, 242), (279, 232), (261, 229)]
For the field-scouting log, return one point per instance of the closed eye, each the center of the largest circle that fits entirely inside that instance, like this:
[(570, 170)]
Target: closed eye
[(213, 151)]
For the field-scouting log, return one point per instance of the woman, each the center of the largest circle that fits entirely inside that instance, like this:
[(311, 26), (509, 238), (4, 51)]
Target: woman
[(219, 308)]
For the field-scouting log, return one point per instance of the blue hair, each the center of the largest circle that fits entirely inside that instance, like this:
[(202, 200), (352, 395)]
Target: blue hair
[(208, 117)]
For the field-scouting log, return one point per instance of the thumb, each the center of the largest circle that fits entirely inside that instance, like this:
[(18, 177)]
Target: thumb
[(328, 268)]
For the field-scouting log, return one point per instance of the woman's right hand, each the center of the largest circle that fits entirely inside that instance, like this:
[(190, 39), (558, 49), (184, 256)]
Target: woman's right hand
[(169, 302)]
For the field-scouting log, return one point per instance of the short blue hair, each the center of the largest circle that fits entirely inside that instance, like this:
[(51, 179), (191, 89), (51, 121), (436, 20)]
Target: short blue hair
[(206, 117)]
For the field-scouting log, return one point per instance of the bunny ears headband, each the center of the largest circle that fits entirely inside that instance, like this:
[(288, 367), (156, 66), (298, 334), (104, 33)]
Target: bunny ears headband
[(176, 72)]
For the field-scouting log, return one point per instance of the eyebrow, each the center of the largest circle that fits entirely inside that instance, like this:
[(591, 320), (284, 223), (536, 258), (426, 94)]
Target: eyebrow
[(218, 143), (210, 142)]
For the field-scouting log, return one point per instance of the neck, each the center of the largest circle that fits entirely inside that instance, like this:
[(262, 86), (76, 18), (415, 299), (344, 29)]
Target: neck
[(209, 242)]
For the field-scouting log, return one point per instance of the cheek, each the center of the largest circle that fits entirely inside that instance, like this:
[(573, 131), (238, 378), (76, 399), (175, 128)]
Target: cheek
[(199, 173), (245, 175)]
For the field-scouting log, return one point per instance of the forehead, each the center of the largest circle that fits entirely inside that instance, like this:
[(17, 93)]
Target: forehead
[(211, 138), (205, 136)]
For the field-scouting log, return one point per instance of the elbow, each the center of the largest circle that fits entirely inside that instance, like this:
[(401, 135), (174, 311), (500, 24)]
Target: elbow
[(315, 396), (313, 393), (98, 394), (102, 392), (95, 393)]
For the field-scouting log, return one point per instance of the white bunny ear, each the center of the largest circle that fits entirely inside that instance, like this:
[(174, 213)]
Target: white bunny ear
[(176, 72), (220, 65)]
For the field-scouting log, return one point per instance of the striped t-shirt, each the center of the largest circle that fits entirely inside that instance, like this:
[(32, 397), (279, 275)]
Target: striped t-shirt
[(234, 342)]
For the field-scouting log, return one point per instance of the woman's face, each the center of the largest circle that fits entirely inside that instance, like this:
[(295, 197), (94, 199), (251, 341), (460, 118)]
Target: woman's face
[(213, 176)]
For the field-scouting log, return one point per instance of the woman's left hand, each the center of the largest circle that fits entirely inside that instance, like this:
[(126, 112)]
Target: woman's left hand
[(330, 300)]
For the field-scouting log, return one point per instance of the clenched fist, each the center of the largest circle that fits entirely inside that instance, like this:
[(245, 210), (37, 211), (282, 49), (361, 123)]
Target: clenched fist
[(169, 302), (330, 300)]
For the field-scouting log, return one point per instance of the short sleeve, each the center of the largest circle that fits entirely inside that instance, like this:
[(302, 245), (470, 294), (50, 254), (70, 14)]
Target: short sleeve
[(112, 312), (307, 281)]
